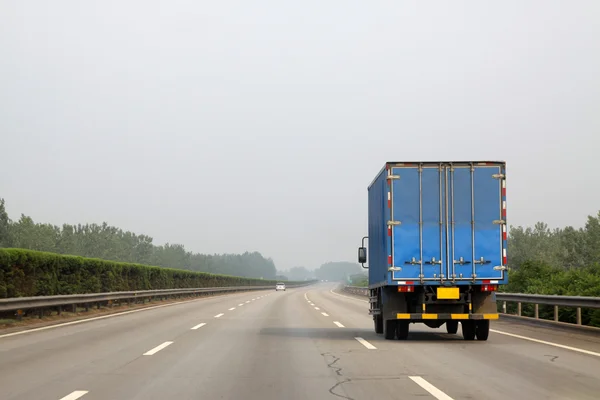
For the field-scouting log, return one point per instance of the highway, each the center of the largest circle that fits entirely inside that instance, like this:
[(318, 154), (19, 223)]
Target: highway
[(305, 343)]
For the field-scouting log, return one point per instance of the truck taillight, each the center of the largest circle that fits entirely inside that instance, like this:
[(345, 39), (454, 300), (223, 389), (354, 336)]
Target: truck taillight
[(406, 289), (489, 288)]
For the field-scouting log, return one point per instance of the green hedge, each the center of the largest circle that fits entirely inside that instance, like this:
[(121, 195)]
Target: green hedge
[(34, 273)]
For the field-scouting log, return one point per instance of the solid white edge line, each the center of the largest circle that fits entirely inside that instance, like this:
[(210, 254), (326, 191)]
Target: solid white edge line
[(241, 304), (199, 326), (325, 314), (248, 302), (75, 395), (365, 343), (317, 308), (157, 348), (232, 308), (80, 321), (435, 392), (339, 324), (562, 346), (348, 297), (219, 315)]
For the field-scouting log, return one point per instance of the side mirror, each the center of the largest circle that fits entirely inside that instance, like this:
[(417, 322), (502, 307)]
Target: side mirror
[(362, 255)]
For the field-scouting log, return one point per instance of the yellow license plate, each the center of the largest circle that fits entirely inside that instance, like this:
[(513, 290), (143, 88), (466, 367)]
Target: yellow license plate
[(448, 293)]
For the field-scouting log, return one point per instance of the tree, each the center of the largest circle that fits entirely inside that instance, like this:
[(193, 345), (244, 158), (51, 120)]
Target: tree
[(337, 271), (5, 240), (299, 274)]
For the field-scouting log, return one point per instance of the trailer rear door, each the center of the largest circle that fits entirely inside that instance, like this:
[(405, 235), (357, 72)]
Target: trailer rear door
[(419, 242), (477, 221), (447, 221)]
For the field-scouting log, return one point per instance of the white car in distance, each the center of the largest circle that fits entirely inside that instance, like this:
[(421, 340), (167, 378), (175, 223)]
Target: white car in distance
[(280, 286)]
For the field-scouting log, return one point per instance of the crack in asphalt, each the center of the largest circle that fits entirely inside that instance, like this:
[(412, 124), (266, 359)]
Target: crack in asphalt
[(340, 395), (338, 372)]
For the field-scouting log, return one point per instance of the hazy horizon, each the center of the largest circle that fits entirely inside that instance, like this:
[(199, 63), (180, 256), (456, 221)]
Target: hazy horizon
[(230, 127)]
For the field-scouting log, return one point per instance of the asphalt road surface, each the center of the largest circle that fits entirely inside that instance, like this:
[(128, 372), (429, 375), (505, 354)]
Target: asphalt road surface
[(307, 343)]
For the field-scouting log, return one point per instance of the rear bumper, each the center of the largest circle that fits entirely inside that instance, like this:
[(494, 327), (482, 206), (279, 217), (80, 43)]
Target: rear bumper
[(440, 316)]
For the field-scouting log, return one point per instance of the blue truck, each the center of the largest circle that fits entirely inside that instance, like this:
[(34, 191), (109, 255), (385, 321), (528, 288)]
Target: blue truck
[(436, 246)]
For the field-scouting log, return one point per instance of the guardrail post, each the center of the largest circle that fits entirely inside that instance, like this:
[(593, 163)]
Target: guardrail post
[(504, 307), (537, 311), (59, 310), (519, 309), (578, 315), (19, 315), (556, 313)]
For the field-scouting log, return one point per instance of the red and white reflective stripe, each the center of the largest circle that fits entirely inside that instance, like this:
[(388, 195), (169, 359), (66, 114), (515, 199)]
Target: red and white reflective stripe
[(389, 199), (389, 260), (504, 234), (406, 282), (504, 256), (503, 187)]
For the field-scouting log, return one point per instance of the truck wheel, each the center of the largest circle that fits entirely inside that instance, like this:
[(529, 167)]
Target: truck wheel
[(389, 329), (452, 327), (482, 329), (402, 330), (378, 324), (468, 329)]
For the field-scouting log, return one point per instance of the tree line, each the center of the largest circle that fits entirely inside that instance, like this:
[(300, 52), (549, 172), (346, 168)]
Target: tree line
[(111, 243), (337, 271), (560, 261)]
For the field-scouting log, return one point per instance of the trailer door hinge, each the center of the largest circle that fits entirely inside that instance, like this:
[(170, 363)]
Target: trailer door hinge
[(393, 223), (392, 269), (498, 176), (500, 268), (499, 222), (390, 177)]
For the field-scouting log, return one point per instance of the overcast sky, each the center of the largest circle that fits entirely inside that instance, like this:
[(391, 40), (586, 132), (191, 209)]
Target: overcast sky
[(257, 125)]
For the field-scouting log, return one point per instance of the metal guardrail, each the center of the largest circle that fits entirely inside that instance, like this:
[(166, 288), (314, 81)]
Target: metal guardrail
[(18, 304), (358, 290), (577, 302)]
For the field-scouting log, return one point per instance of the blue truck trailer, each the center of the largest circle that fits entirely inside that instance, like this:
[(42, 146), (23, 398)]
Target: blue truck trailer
[(436, 246)]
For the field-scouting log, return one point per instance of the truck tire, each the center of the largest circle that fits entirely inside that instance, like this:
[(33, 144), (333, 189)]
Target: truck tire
[(468, 330), (452, 327), (378, 324), (402, 328), (389, 328), (482, 329)]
